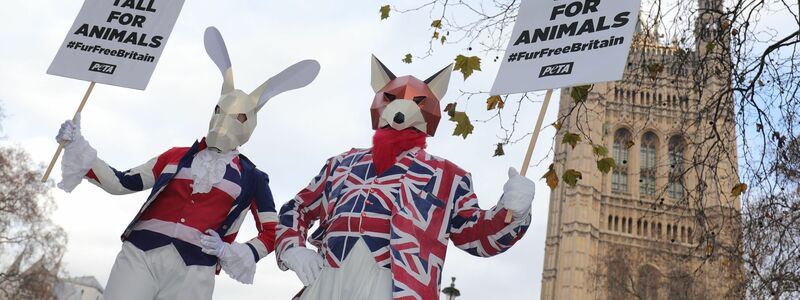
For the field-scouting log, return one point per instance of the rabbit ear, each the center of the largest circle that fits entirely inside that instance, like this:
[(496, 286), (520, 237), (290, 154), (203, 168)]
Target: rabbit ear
[(294, 77), (215, 47)]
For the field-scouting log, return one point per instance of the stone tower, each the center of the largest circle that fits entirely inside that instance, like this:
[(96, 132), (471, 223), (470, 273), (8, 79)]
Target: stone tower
[(634, 233)]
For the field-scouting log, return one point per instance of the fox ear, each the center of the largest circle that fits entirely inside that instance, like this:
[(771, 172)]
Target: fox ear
[(380, 74), (215, 47), (439, 82)]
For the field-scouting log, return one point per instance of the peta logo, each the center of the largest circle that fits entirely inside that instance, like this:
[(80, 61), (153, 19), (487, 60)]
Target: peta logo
[(102, 67), (557, 69)]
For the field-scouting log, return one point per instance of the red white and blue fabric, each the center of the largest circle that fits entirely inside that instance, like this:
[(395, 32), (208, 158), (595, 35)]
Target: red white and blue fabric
[(406, 216), (173, 215)]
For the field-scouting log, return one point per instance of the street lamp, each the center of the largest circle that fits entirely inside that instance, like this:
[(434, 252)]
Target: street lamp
[(451, 291)]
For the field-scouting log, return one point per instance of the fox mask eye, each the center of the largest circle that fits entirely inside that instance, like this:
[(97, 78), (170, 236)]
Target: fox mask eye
[(390, 97), (419, 99)]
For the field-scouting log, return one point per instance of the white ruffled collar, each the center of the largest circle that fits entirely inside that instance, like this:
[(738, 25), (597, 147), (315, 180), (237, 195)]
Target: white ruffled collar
[(208, 169)]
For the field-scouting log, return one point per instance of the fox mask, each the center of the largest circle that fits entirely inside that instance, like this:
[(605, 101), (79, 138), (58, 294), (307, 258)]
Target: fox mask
[(407, 102)]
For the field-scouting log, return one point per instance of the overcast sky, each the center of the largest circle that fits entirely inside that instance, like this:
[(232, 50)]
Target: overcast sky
[(296, 132)]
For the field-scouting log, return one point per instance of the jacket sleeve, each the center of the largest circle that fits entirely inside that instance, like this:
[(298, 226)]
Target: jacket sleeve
[(263, 209), (130, 181), (299, 214), (481, 232)]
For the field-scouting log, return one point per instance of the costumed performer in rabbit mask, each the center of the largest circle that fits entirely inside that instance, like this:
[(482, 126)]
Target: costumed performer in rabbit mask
[(388, 212), (185, 231)]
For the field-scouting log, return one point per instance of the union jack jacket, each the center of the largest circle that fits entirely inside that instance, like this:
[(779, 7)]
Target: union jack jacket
[(247, 184), (406, 216)]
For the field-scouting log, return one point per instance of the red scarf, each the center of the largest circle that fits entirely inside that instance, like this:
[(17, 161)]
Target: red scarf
[(388, 143)]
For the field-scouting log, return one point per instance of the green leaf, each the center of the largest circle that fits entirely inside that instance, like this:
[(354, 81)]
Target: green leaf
[(600, 150), (444, 39), (467, 65), (499, 150), (654, 69), (407, 59), (571, 138), (580, 93), (495, 102), (463, 125), (450, 109), (571, 177), (435, 35), (680, 53), (605, 164), (551, 177), (436, 24), (710, 46), (385, 11)]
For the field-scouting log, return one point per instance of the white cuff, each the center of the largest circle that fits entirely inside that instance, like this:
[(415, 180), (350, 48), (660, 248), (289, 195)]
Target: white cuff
[(239, 263), (75, 163)]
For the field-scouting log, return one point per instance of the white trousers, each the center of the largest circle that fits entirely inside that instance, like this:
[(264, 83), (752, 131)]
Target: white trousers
[(358, 278), (157, 274)]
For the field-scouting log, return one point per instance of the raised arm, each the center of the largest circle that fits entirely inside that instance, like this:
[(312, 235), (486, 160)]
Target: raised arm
[(484, 232), (80, 161)]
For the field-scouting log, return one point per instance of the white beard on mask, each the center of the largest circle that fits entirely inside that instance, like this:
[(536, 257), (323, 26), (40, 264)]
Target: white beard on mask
[(208, 169)]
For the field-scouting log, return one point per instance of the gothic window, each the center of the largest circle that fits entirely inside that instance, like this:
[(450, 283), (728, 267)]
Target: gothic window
[(618, 277), (645, 229), (623, 224), (630, 224), (658, 230), (610, 220), (676, 148), (616, 223), (639, 227), (669, 231), (683, 234), (648, 282), (619, 177), (648, 164)]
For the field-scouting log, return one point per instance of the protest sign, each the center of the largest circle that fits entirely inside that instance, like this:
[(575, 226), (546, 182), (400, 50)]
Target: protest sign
[(565, 42), (116, 42)]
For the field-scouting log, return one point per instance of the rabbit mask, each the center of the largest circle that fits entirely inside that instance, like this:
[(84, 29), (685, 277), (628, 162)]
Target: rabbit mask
[(235, 115)]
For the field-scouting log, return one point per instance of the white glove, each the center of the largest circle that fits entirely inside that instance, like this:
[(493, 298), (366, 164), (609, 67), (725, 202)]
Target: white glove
[(78, 154), (236, 259), (306, 263), (518, 194), (70, 131), (214, 245)]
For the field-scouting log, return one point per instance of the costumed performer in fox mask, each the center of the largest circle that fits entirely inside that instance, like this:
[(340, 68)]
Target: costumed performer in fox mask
[(387, 213), (185, 231)]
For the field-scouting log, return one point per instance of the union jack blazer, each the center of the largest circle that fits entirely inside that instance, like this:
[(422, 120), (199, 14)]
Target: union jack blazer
[(247, 184), (406, 216)]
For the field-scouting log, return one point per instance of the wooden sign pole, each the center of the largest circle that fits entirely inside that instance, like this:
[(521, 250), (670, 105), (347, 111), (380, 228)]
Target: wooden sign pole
[(61, 145), (534, 136)]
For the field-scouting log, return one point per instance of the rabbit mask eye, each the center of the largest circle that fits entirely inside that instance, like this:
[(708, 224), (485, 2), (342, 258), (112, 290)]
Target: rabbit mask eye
[(241, 117)]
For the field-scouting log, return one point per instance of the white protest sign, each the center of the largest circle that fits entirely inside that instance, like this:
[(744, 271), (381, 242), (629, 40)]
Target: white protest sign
[(565, 43), (116, 42)]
